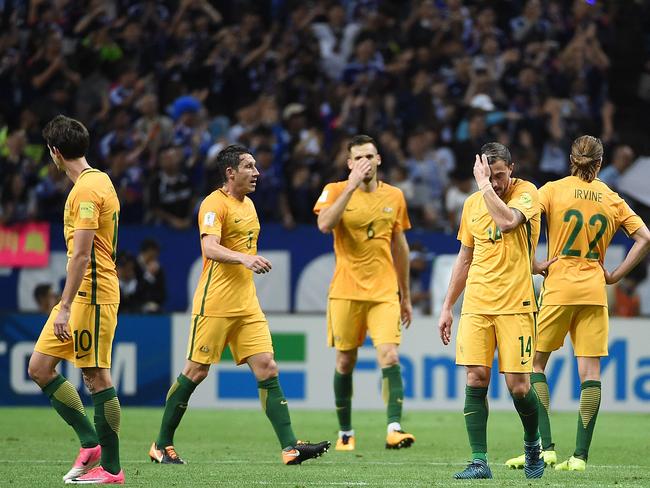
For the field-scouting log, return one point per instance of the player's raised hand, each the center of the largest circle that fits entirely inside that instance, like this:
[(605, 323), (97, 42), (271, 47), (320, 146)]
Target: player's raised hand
[(444, 326), (257, 264), (359, 172), (61, 327), (481, 171)]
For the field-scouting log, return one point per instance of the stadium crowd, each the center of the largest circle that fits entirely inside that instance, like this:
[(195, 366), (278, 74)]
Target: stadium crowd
[(164, 85)]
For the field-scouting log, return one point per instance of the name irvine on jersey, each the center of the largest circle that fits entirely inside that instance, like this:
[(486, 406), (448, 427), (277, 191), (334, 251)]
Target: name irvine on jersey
[(594, 196)]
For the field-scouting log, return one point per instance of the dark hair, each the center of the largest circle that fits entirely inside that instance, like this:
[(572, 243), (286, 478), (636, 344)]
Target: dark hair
[(149, 245), (41, 291), (360, 140), (495, 151), (230, 158), (68, 135), (586, 157)]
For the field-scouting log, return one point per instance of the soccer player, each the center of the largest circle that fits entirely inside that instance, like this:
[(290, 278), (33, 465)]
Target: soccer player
[(498, 233), (369, 292), (81, 326), (582, 215), (226, 310)]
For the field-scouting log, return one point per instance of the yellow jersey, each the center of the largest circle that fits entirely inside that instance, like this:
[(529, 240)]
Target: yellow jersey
[(500, 276), (227, 289), (362, 241), (93, 204), (581, 220)]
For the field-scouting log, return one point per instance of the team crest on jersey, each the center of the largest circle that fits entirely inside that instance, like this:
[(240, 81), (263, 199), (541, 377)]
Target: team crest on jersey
[(526, 200), (388, 209), (208, 219)]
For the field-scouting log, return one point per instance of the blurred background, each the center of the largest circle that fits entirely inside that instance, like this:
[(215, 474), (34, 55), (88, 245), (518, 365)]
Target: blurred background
[(164, 85)]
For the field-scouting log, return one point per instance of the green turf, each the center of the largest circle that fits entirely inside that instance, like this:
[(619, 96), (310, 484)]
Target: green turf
[(238, 449)]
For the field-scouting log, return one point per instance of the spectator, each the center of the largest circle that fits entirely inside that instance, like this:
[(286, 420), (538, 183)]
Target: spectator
[(150, 277), (270, 196), (130, 298), (622, 158), (45, 298), (170, 192), (463, 186)]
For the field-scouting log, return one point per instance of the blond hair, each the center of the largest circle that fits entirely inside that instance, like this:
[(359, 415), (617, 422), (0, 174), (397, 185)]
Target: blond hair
[(586, 157)]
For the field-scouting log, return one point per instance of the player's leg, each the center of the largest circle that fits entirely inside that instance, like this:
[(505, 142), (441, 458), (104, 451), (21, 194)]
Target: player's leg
[(553, 323), (384, 327), (207, 338), (250, 342), (589, 337), (538, 382), (345, 362), (475, 346), (276, 408), (95, 332), (590, 392), (393, 394), (176, 402), (346, 331), (476, 414), (63, 396)]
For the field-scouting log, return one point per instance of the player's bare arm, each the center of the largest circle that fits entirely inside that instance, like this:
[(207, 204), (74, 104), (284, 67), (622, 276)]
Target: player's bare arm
[(456, 286), (77, 266), (212, 249), (637, 252), (329, 217), (400, 251), (506, 218)]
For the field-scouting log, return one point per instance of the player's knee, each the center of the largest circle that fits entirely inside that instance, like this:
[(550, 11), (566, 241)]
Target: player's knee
[(345, 363), (519, 390), (389, 358), (478, 377), (266, 370), (40, 374)]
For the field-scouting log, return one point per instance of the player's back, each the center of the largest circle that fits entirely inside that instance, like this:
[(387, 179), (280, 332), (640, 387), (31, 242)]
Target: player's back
[(93, 204), (582, 218)]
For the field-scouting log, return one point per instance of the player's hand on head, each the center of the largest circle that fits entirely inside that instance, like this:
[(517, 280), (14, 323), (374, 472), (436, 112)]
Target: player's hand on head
[(359, 171), (481, 170), (444, 326), (61, 327)]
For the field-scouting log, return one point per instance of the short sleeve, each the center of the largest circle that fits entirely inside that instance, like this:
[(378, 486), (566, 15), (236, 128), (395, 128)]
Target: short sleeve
[(212, 215), (544, 194), (628, 219), (329, 195), (465, 235), (85, 209), (402, 221), (525, 198)]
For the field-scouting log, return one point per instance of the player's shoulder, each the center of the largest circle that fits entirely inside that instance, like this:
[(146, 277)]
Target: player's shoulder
[(521, 185), (336, 185), (390, 190), (93, 183), (218, 198), (473, 199)]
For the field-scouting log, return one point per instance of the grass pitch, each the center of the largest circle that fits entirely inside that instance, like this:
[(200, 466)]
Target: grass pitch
[(238, 449)]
